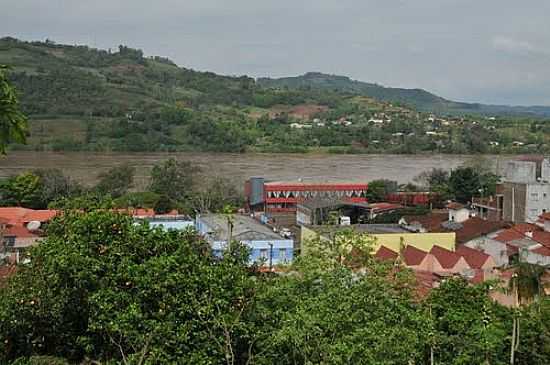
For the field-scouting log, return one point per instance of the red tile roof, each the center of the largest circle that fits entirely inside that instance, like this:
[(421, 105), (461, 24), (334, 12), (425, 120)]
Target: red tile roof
[(446, 258), (425, 282), (430, 222), (517, 232), (545, 216), (475, 258), (18, 215), (385, 254), (19, 231), (542, 237), (413, 256), (475, 227), (544, 251)]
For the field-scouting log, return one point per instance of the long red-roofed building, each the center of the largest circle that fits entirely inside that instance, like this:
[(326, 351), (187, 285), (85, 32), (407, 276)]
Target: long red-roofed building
[(272, 197)]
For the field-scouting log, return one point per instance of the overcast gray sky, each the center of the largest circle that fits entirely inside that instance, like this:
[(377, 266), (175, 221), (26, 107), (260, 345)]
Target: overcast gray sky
[(491, 51)]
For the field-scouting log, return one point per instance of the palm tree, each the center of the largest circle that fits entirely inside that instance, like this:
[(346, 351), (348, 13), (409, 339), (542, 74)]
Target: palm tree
[(13, 124)]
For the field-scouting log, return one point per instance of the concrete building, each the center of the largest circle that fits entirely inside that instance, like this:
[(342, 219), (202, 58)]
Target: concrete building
[(392, 236), (276, 197), (265, 245), (526, 189)]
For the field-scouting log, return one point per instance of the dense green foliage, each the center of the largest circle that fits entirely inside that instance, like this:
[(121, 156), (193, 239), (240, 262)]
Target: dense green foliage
[(13, 124), (79, 98), (173, 186), (103, 288)]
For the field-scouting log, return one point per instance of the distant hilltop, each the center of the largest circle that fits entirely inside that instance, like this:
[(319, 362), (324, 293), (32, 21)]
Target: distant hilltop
[(418, 98)]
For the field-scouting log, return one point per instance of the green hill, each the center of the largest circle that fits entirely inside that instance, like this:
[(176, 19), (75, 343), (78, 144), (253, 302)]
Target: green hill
[(86, 99), (417, 98)]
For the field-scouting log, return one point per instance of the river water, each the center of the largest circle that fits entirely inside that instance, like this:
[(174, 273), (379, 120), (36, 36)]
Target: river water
[(238, 167)]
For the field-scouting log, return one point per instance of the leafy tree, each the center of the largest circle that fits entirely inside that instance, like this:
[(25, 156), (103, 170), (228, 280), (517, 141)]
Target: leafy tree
[(175, 179), (379, 189), (331, 312), (468, 328), (13, 124), (105, 288), (55, 185), (116, 181), (22, 190), (215, 194), (163, 205), (466, 182)]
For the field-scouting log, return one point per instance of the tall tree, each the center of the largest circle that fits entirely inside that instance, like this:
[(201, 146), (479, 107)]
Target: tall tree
[(175, 179), (13, 124), (117, 181)]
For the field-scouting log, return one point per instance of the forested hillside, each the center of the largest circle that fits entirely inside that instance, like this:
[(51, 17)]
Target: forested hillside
[(80, 98), (417, 98)]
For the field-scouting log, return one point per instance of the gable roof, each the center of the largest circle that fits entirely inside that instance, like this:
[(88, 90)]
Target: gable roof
[(475, 258), (385, 254), (474, 227), (413, 256), (430, 222), (519, 232), (447, 259)]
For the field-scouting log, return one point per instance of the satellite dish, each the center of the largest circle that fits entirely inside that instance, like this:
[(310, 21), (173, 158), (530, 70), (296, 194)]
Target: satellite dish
[(33, 225)]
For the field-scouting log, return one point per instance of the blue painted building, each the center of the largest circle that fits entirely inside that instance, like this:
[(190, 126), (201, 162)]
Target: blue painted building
[(265, 245)]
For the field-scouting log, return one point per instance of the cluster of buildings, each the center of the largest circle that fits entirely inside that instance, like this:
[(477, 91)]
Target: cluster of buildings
[(479, 241)]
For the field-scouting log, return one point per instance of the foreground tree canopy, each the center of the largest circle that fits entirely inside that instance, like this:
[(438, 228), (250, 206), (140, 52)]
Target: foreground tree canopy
[(101, 288)]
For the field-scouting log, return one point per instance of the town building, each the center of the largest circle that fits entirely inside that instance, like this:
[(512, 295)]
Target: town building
[(392, 236), (322, 211), (264, 244), (170, 220), (525, 189), (274, 197), (21, 228)]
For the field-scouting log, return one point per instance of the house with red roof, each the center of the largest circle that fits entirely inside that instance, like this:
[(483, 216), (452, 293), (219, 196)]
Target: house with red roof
[(476, 259), (446, 261), (21, 228)]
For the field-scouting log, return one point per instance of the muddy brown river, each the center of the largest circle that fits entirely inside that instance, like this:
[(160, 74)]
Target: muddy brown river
[(238, 167)]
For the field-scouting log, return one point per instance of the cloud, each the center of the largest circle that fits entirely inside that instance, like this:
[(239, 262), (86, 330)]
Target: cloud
[(517, 46)]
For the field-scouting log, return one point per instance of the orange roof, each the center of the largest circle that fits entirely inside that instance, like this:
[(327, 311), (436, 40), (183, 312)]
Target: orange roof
[(476, 227), (475, 258), (413, 256), (545, 216), (19, 231), (446, 258), (517, 232), (385, 254), (19, 215)]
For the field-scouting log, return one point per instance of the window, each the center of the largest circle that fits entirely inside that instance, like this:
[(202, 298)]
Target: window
[(535, 196), (263, 253), (282, 254)]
